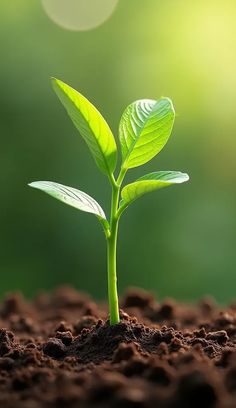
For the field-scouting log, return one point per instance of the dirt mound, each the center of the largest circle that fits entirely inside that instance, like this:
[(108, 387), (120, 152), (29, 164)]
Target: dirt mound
[(60, 351)]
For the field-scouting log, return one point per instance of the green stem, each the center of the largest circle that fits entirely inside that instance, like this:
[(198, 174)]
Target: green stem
[(111, 249), (111, 259)]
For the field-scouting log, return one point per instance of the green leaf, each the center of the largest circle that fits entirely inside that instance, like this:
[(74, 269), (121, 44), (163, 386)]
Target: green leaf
[(91, 125), (151, 182), (144, 129), (71, 196)]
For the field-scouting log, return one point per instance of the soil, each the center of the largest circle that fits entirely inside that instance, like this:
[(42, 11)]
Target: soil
[(59, 351)]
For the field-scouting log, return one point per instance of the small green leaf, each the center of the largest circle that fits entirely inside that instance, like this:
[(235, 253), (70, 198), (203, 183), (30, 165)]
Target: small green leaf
[(144, 129), (71, 196), (151, 182), (91, 125)]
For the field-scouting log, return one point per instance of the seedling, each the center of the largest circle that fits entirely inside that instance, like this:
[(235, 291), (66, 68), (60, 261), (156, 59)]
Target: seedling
[(144, 129)]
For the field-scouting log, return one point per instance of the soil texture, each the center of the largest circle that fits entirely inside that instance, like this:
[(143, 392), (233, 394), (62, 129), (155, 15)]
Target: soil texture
[(59, 351)]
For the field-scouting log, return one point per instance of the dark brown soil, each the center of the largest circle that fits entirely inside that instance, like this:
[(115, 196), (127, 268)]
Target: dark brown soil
[(60, 352)]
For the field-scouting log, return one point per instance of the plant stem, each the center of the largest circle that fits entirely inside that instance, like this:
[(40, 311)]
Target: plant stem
[(111, 249), (111, 258)]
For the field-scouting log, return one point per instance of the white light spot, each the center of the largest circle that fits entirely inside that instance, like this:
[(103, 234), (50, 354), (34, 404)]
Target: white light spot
[(79, 15)]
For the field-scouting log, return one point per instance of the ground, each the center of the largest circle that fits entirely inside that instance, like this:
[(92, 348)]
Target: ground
[(59, 351)]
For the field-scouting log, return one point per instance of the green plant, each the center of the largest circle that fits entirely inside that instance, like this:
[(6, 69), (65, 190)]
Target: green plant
[(144, 129)]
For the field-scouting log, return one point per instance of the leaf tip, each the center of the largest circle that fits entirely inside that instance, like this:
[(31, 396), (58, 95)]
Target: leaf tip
[(169, 101), (56, 83), (32, 184), (184, 178), (53, 79)]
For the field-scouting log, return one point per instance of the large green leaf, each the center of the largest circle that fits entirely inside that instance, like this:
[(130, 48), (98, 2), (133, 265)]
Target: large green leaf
[(71, 196), (91, 125), (151, 182), (144, 129)]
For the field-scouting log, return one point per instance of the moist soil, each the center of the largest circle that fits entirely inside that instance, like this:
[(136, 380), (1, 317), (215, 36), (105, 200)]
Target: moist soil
[(59, 351)]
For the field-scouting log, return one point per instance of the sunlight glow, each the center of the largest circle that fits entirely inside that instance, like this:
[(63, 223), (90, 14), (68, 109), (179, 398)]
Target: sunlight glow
[(79, 15)]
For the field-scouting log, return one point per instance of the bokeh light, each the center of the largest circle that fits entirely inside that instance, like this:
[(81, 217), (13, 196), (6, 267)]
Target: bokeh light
[(79, 14)]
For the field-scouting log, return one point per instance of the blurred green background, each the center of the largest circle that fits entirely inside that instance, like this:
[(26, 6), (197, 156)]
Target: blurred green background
[(177, 242)]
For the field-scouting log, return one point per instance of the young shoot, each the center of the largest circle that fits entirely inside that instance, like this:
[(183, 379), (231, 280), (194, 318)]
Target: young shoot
[(144, 129)]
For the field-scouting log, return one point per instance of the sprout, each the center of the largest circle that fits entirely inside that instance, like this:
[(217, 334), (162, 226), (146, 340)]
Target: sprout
[(145, 128)]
